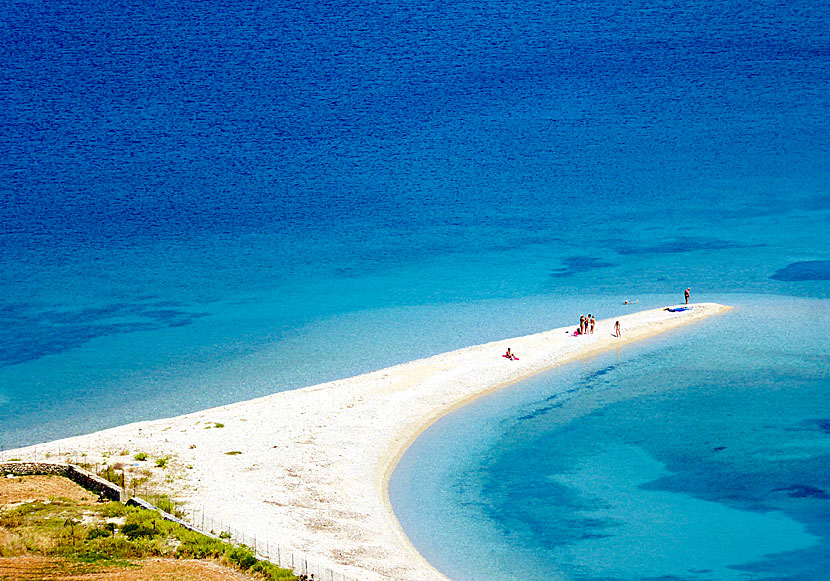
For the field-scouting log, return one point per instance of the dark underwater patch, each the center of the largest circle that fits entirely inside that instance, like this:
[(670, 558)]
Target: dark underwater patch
[(803, 491), (820, 424), (540, 411), (601, 372), (808, 270), (681, 245), (31, 333), (577, 264)]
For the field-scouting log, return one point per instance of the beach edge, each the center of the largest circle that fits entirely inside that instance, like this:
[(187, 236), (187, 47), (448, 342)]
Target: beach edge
[(309, 469), (396, 453)]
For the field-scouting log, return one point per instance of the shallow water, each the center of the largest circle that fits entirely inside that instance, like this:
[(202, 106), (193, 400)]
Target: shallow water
[(698, 456)]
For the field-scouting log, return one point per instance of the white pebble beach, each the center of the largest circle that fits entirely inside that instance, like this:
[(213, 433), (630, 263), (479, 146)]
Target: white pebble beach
[(310, 467)]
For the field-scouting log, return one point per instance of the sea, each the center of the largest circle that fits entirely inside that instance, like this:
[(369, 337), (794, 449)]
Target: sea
[(207, 202)]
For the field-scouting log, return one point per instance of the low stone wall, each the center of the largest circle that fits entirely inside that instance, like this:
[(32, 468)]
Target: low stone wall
[(140, 503), (282, 557), (30, 468), (90, 481), (103, 487)]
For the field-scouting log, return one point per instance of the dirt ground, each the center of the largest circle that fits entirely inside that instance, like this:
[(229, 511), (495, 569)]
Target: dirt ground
[(35, 567), (34, 488), (32, 568)]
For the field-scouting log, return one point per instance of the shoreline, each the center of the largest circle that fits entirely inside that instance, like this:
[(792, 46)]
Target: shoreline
[(593, 350), (310, 467)]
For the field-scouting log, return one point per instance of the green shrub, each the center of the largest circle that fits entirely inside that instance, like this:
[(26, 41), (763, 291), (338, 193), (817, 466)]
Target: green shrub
[(112, 547), (162, 462), (96, 532), (273, 573), (135, 531), (242, 557), (141, 456), (113, 508), (111, 473), (195, 546), (165, 504)]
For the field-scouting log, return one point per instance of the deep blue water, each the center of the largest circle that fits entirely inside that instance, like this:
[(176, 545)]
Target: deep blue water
[(202, 203)]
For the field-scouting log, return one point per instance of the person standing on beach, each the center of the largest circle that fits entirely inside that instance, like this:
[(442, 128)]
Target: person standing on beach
[(593, 323), (617, 329), (686, 294), (581, 324)]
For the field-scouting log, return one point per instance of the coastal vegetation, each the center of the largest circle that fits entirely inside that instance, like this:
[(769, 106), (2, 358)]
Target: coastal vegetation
[(51, 524)]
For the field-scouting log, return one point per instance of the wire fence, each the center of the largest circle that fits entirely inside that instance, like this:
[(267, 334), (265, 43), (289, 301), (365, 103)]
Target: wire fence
[(286, 557), (278, 554), (197, 518)]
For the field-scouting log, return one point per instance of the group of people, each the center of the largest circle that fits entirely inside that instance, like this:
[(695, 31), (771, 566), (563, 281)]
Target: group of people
[(586, 325)]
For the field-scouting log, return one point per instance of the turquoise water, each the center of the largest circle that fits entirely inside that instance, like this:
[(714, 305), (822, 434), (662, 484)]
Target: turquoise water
[(698, 456), (205, 203)]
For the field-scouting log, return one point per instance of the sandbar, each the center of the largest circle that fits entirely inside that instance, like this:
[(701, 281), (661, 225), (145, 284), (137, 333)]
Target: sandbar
[(308, 468)]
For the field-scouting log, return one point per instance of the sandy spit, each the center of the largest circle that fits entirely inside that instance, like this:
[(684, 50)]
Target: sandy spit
[(310, 467)]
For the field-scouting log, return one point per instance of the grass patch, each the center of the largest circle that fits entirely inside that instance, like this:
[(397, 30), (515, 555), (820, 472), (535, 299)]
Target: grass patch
[(141, 456), (87, 534), (166, 504), (233, 453), (138, 481), (114, 474), (162, 462)]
